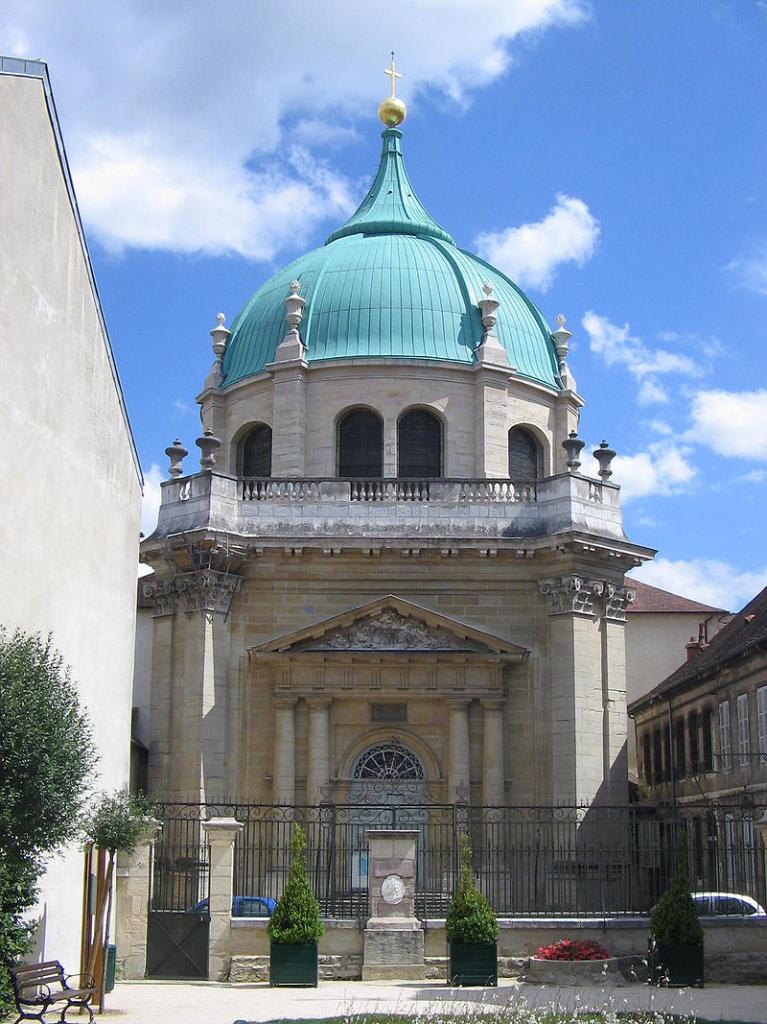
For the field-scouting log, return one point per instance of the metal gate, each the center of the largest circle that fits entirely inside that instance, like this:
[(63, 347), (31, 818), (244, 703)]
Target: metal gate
[(177, 945), (178, 924)]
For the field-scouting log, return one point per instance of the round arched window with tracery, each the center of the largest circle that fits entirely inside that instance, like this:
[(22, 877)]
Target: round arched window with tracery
[(388, 761)]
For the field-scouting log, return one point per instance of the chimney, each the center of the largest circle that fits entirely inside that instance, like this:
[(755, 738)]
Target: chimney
[(694, 647)]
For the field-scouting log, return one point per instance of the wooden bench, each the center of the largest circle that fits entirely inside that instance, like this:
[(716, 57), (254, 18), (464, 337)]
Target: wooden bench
[(38, 987)]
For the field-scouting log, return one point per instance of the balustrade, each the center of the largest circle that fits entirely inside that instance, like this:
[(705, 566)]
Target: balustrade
[(385, 490)]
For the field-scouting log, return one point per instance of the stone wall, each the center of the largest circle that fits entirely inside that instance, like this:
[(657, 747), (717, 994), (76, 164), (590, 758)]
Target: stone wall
[(735, 951), (477, 409)]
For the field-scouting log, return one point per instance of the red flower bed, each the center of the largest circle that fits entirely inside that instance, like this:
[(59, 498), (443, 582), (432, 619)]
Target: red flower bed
[(566, 950)]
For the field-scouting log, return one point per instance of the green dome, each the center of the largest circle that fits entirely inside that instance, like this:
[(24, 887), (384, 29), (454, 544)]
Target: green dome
[(390, 283)]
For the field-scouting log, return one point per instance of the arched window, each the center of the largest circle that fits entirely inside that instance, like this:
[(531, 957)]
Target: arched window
[(524, 456), (360, 444), (388, 761), (419, 445), (256, 452)]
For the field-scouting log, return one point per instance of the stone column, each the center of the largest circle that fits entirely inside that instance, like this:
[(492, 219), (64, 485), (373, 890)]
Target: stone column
[(393, 944), (493, 754), (575, 673), (132, 905), (289, 426), (615, 601), (284, 782), (190, 692), (491, 433), (221, 834), (458, 756), (318, 773), (588, 689)]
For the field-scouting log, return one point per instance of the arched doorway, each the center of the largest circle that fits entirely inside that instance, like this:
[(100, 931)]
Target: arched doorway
[(387, 790)]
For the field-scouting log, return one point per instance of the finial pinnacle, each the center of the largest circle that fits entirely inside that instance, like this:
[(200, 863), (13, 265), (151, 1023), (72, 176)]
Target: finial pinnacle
[(392, 111), (561, 320)]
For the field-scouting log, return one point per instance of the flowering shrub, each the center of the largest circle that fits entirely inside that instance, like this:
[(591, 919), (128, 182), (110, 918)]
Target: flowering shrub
[(583, 949)]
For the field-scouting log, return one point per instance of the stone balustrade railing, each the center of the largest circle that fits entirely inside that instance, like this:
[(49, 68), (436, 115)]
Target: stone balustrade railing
[(297, 507), (385, 490)]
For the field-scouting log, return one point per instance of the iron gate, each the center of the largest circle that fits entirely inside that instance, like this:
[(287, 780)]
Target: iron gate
[(178, 924)]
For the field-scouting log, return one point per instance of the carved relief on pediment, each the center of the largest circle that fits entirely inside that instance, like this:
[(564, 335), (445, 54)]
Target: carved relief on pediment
[(389, 631)]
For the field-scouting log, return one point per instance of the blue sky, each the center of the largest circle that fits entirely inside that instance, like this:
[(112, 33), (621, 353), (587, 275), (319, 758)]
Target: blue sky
[(609, 156)]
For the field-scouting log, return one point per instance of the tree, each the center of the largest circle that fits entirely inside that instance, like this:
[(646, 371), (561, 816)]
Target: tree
[(46, 757), (117, 824), (469, 916), (296, 918)]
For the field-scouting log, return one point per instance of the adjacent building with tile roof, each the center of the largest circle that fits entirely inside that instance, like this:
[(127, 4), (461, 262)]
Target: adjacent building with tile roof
[(703, 729)]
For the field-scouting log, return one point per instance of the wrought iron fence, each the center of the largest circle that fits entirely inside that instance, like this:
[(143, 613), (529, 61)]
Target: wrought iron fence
[(530, 861)]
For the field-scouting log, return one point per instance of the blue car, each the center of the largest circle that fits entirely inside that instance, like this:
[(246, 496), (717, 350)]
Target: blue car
[(242, 906)]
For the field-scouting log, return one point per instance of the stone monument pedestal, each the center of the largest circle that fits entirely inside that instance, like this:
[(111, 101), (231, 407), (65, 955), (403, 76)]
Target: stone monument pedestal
[(393, 947)]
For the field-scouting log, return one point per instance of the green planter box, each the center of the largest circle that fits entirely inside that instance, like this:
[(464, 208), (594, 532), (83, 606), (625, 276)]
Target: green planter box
[(473, 963), (294, 965), (675, 964)]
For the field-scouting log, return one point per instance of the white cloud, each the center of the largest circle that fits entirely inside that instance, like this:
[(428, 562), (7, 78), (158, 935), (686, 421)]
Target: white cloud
[(180, 119), (619, 347), (177, 204), (150, 503), (756, 476), (663, 468), (708, 580), (532, 253), (751, 271), (652, 393), (731, 423)]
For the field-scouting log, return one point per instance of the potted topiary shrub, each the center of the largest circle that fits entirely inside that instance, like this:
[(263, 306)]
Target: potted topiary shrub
[(295, 926), (676, 934), (472, 931)]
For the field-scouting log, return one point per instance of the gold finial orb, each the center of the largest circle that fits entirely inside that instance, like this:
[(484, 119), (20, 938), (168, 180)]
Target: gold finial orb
[(392, 111)]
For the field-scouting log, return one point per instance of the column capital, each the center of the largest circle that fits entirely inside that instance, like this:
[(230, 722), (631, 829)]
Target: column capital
[(571, 595), (492, 703), (458, 703), (222, 830), (319, 701), (162, 594), (202, 590), (617, 599), (283, 703)]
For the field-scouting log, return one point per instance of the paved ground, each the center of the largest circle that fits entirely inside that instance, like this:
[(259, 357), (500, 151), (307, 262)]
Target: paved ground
[(145, 1002)]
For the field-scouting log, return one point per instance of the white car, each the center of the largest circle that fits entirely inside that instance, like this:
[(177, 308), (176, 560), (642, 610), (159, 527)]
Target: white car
[(727, 904)]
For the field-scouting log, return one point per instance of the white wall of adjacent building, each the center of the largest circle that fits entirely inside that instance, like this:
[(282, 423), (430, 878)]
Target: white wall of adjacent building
[(70, 522)]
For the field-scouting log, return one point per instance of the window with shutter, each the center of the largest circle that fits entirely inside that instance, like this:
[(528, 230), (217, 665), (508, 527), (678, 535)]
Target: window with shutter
[(256, 452), (524, 456), (360, 444), (419, 445)]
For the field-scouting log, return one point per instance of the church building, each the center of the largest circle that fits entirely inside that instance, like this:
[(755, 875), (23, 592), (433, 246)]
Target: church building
[(392, 578)]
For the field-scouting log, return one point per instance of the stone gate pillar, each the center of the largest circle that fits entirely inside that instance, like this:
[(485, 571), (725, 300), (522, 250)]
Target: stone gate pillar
[(393, 948), (221, 834), (132, 907)]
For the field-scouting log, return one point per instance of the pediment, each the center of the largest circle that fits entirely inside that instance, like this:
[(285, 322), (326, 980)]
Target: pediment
[(391, 625)]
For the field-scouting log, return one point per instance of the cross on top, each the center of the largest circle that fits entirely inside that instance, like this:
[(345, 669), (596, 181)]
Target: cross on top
[(393, 74)]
